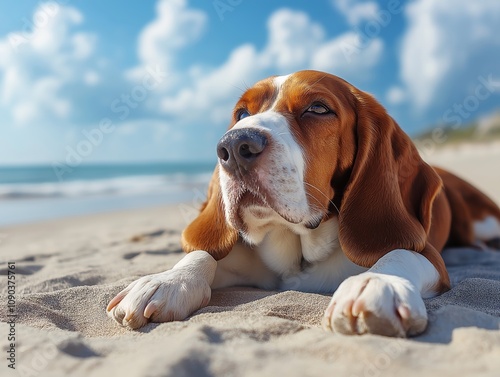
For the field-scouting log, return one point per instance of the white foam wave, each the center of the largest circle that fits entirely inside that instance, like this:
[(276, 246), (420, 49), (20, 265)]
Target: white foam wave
[(115, 186)]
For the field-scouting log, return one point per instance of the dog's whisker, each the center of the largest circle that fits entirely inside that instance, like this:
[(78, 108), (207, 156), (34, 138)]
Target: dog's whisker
[(322, 193)]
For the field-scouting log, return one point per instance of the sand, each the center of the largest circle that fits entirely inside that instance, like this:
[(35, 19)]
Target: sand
[(67, 270)]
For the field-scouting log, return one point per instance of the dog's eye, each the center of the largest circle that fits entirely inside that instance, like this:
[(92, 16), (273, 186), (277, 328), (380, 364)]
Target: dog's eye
[(242, 114), (318, 108)]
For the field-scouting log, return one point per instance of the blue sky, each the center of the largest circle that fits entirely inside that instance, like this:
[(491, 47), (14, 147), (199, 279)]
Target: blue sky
[(97, 81)]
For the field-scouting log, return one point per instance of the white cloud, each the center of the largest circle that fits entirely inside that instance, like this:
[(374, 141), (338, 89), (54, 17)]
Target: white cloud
[(292, 39), (395, 95), (53, 77), (91, 78), (212, 94), (444, 39), (175, 26), (294, 42), (357, 11), (35, 66), (43, 100), (346, 56)]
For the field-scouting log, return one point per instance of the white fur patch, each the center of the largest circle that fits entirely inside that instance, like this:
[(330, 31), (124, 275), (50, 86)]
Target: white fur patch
[(317, 244), (280, 250), (278, 82), (487, 229), (276, 261), (323, 276), (243, 266), (385, 300)]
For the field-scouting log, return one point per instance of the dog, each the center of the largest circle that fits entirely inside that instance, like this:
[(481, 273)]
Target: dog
[(318, 189)]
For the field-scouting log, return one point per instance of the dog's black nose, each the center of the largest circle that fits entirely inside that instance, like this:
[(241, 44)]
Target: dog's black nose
[(240, 148)]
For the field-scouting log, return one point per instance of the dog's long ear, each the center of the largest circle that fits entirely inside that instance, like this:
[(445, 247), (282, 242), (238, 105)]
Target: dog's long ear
[(210, 230), (388, 200)]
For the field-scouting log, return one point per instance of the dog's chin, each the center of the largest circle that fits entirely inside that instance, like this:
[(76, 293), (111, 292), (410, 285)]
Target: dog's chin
[(239, 202), (260, 207)]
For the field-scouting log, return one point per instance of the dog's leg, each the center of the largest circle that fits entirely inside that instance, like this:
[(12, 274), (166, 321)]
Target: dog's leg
[(166, 296), (177, 293), (487, 232), (385, 300)]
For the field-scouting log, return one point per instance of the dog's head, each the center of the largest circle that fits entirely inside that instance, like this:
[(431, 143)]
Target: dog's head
[(308, 146)]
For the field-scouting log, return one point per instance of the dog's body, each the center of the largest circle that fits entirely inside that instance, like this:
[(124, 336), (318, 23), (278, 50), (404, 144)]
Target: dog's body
[(318, 189)]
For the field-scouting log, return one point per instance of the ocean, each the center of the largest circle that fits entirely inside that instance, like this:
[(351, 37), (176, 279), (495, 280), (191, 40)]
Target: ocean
[(36, 193)]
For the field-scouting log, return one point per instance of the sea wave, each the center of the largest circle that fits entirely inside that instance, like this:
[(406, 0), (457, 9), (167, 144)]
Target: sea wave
[(127, 185)]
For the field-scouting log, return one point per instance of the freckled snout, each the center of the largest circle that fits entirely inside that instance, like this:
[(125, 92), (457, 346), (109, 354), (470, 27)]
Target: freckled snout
[(239, 149)]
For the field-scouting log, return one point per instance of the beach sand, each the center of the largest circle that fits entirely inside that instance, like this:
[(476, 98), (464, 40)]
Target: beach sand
[(67, 270)]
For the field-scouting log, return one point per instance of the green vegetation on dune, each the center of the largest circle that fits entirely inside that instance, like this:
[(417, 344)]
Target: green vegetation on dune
[(482, 130)]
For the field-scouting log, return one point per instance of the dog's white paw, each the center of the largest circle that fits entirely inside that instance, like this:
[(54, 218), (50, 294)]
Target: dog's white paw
[(168, 296), (376, 303)]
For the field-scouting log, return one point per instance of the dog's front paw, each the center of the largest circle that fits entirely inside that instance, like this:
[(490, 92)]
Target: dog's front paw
[(168, 296), (376, 304)]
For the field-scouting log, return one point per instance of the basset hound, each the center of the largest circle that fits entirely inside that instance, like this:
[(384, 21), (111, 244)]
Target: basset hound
[(318, 189)]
